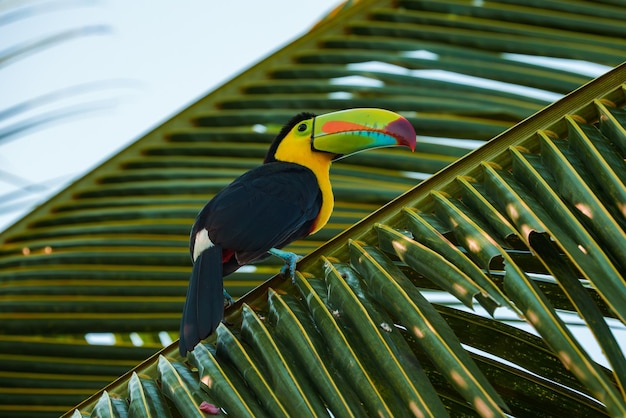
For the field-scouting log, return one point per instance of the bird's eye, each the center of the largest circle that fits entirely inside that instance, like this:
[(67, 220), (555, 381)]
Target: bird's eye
[(302, 127)]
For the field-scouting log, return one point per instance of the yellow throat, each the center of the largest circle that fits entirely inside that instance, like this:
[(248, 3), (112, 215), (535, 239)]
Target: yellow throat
[(298, 151)]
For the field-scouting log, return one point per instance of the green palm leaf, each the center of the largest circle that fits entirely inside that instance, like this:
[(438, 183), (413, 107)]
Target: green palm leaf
[(109, 254), (354, 308)]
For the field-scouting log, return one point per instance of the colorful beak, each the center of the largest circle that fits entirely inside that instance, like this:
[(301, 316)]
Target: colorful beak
[(349, 131)]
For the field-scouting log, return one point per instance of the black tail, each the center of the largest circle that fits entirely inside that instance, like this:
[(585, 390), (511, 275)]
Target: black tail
[(204, 307)]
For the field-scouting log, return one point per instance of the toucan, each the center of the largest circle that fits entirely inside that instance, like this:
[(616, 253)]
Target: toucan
[(286, 198)]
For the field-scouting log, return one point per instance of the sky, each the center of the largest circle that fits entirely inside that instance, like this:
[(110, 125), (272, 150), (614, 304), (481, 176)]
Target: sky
[(125, 67)]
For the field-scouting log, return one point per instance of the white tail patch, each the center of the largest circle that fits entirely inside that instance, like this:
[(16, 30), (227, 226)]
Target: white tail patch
[(201, 243)]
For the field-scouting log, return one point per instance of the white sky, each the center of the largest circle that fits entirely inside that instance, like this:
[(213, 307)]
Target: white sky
[(143, 62)]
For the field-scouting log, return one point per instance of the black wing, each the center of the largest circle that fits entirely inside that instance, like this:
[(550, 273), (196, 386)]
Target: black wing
[(267, 207)]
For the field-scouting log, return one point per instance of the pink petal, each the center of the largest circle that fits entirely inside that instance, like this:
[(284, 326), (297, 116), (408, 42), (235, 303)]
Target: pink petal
[(209, 408)]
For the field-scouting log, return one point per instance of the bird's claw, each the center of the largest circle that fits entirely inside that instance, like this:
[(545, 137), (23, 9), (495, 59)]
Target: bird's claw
[(228, 299), (290, 259), (289, 270)]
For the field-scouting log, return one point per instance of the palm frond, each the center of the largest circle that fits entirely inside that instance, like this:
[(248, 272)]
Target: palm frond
[(108, 254), (357, 333)]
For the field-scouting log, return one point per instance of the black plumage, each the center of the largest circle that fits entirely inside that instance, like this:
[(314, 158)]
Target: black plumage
[(267, 207)]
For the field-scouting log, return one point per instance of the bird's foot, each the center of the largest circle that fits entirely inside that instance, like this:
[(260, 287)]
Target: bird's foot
[(228, 299), (290, 259)]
